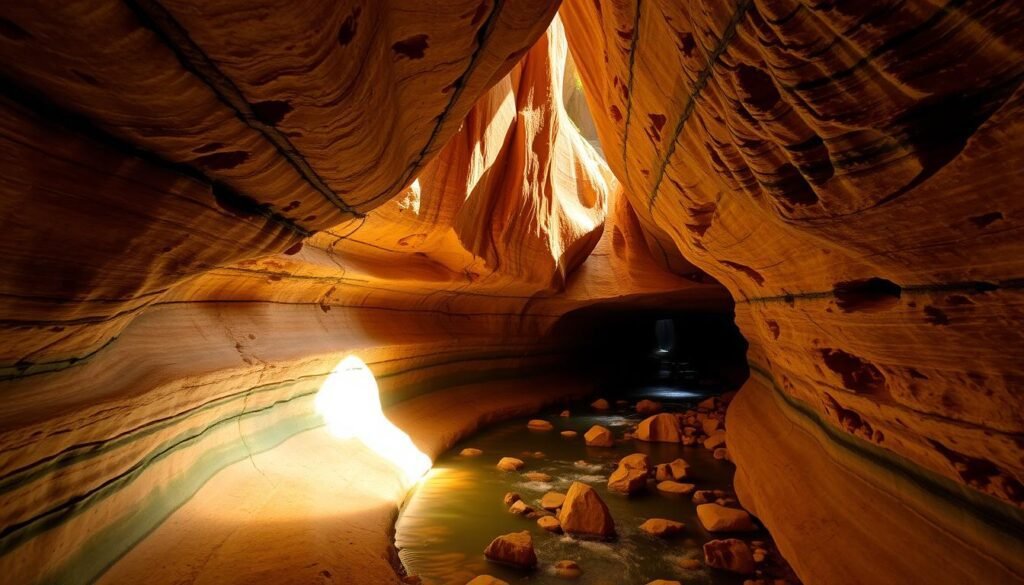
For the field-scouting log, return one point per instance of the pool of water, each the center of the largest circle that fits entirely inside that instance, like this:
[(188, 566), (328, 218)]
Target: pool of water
[(457, 509)]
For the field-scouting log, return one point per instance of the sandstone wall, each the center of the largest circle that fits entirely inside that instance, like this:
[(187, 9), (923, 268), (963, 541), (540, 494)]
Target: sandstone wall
[(851, 172), (206, 207)]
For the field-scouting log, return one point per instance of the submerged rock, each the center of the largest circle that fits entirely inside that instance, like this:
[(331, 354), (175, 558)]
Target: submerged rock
[(716, 518), (486, 580), (730, 554), (600, 404), (662, 527), (550, 523), (675, 487), (539, 425), (584, 513), (660, 428), (567, 570), (537, 476), (470, 452), (552, 500), (510, 464), (599, 436), (648, 407), (514, 549)]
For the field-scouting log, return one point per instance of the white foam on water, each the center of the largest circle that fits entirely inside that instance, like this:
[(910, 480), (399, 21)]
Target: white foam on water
[(536, 486)]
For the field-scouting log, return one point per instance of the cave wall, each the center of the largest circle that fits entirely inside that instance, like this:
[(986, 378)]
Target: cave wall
[(205, 206), (851, 172), (181, 282)]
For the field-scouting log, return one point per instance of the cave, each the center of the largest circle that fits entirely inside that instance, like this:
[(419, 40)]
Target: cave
[(512, 291)]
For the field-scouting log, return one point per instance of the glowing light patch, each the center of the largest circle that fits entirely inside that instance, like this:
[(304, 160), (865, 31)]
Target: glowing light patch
[(349, 402)]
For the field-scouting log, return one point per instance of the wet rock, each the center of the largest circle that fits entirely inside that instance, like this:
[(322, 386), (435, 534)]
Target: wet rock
[(760, 555), (675, 487), (730, 555), (520, 508), (631, 474), (710, 425), (599, 436), (552, 500), (514, 549), (707, 404), (584, 513), (722, 453), (674, 470), (708, 496), (716, 518), (567, 570), (662, 527), (648, 407), (537, 476), (470, 452), (627, 481), (539, 425), (600, 404), (510, 464), (715, 440), (511, 498), (660, 428), (689, 441), (486, 580), (550, 523), (569, 434), (565, 414)]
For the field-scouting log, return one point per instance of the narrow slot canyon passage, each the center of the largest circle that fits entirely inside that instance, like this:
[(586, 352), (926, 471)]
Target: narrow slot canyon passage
[(613, 292)]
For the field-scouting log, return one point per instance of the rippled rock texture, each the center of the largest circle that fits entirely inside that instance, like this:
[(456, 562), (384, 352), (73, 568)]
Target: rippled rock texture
[(207, 205), (851, 172)]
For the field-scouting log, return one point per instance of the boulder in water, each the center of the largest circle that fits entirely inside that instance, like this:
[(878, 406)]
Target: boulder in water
[(510, 464), (538, 424), (550, 523), (600, 404), (537, 476), (584, 513), (715, 440), (716, 518), (662, 527), (648, 407), (569, 434), (511, 498), (599, 436), (675, 470), (631, 474), (660, 428), (730, 554), (514, 549), (552, 500), (675, 487), (470, 452)]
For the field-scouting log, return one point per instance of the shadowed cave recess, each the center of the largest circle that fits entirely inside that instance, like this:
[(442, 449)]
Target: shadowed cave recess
[(280, 275)]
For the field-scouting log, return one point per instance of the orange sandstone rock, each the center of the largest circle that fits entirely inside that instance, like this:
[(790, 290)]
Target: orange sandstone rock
[(584, 513)]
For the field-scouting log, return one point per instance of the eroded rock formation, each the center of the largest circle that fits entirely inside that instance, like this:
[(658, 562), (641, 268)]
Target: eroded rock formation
[(207, 205)]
